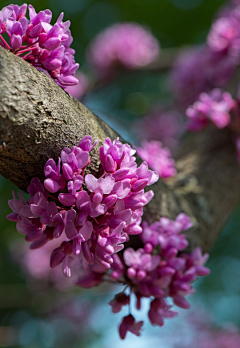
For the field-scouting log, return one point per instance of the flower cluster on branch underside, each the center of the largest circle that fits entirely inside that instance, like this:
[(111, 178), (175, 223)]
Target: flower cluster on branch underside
[(158, 271), (45, 46), (95, 215), (214, 106), (220, 109), (211, 65)]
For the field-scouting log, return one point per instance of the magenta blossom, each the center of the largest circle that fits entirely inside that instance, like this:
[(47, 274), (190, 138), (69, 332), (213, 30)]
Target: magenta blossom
[(159, 270), (158, 158), (128, 44), (119, 300), (212, 65), (45, 46), (95, 215), (129, 324), (214, 106), (225, 33)]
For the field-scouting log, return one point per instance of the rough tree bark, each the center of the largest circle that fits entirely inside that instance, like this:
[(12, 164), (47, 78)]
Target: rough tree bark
[(38, 119)]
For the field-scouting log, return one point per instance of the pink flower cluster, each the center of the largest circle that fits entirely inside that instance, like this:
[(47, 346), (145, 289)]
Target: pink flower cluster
[(158, 270), (158, 158), (45, 46), (220, 109), (127, 44), (95, 215), (211, 65), (214, 106), (224, 36)]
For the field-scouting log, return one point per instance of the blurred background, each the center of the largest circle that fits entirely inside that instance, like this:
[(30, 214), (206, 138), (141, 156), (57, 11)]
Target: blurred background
[(40, 308)]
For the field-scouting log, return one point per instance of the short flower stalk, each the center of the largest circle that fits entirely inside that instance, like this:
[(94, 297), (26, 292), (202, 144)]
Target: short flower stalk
[(220, 109)]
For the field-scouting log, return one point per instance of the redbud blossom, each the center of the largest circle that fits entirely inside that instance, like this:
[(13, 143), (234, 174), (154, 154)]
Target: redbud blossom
[(159, 271), (45, 46), (214, 106), (95, 215), (128, 44), (158, 158)]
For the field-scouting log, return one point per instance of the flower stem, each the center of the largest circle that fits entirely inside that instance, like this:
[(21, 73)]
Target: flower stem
[(23, 51), (5, 42), (28, 48)]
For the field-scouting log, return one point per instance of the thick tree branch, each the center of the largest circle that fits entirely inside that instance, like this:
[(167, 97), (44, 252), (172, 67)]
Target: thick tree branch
[(38, 119)]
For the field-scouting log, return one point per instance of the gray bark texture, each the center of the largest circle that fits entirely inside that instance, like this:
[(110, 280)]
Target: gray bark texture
[(38, 119)]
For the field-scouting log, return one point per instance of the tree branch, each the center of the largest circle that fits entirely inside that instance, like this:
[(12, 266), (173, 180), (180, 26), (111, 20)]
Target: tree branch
[(38, 119)]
